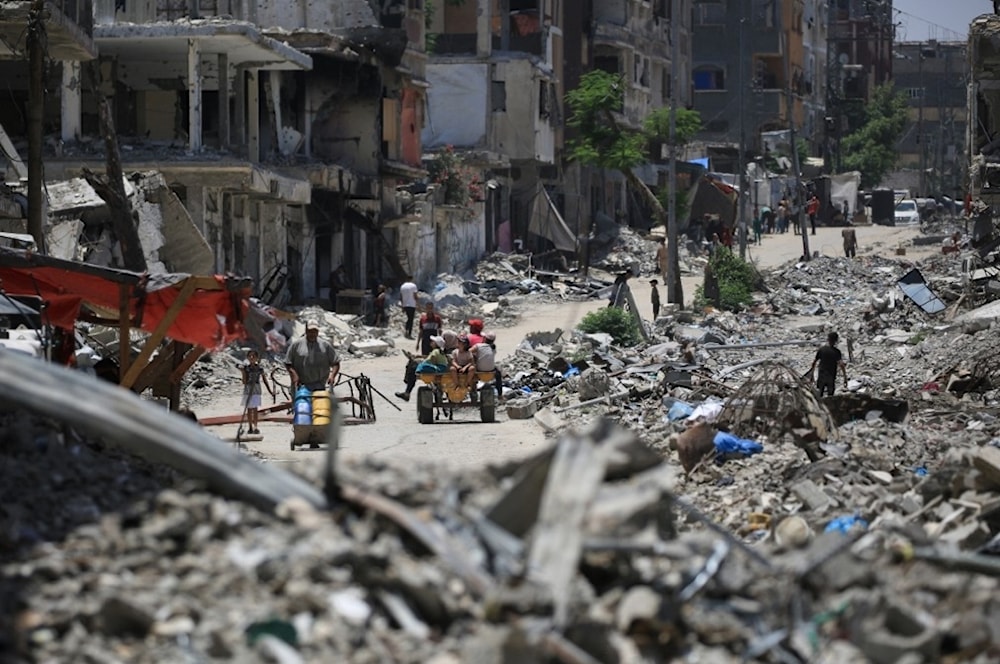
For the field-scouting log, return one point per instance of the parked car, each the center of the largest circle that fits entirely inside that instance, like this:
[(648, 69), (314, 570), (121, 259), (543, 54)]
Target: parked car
[(906, 213)]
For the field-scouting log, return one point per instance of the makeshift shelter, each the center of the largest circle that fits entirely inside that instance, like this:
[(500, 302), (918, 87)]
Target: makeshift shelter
[(194, 313)]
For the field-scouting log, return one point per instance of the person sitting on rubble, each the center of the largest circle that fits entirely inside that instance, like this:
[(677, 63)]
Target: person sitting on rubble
[(463, 363), (829, 358)]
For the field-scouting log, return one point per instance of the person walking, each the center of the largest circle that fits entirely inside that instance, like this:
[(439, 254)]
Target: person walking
[(812, 209), (661, 258), (758, 227), (381, 320), (430, 326), (654, 298), (253, 375), (850, 242), (312, 362), (408, 300), (829, 359)]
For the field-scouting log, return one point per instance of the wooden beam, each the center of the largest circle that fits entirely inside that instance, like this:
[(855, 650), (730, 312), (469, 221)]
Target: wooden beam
[(144, 429), (160, 365), (189, 359), (124, 331), (159, 333), (177, 359)]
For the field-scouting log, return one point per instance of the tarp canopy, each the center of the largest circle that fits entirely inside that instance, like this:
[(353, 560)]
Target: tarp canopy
[(204, 311), (548, 223)]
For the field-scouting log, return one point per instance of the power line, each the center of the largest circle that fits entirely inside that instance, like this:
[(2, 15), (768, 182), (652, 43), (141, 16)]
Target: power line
[(959, 35)]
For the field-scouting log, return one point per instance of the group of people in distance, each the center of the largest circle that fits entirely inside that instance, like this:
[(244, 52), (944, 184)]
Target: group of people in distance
[(443, 351)]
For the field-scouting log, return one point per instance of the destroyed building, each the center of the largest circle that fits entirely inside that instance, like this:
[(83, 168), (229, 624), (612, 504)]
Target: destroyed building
[(984, 109), (286, 133)]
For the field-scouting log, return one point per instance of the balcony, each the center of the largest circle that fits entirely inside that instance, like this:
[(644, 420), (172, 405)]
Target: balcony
[(69, 29), (159, 11)]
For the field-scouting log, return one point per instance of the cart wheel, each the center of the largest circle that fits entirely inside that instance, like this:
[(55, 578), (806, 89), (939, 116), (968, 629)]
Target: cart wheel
[(425, 405), (487, 404)]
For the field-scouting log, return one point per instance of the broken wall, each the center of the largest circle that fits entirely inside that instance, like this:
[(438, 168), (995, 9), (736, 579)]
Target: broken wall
[(345, 128), (457, 108), (461, 237), (524, 130), (418, 240), (317, 15)]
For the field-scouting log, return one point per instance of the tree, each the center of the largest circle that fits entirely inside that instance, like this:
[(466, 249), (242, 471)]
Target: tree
[(871, 149), (603, 141)]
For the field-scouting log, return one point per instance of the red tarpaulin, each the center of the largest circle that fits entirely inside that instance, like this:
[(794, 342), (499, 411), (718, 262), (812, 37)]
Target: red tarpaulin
[(211, 317)]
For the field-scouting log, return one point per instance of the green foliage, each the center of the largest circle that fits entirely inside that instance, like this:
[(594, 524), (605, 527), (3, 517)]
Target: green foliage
[(681, 202), (736, 278), (802, 147), (603, 144), (686, 125), (614, 321), (871, 149), (460, 183)]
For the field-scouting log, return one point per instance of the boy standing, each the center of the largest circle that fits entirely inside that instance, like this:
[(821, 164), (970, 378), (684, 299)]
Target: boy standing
[(829, 359)]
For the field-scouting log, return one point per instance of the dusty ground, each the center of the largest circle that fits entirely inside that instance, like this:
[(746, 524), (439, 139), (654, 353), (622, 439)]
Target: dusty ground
[(397, 438)]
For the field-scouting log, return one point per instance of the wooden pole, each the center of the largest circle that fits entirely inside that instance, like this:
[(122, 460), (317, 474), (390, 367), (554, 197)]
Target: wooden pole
[(36, 113), (159, 333)]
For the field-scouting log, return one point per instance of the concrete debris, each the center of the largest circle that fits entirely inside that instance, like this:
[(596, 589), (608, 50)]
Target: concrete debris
[(865, 529)]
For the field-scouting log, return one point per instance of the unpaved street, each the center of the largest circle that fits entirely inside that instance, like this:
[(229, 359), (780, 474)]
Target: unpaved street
[(397, 438)]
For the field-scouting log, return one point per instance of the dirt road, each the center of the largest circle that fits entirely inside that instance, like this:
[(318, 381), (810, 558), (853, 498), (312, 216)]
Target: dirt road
[(397, 438)]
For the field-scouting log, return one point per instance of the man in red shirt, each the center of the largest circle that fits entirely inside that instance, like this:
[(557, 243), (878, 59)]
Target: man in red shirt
[(812, 209), (475, 331), (430, 326)]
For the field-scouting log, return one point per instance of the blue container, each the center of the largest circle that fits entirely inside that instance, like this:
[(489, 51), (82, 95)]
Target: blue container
[(302, 407)]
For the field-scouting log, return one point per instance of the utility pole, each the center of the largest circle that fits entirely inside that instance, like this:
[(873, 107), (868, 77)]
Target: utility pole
[(36, 113), (742, 209), (675, 293), (922, 187), (798, 198)]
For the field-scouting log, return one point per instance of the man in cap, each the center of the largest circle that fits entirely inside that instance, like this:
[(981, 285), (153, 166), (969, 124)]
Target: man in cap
[(312, 362)]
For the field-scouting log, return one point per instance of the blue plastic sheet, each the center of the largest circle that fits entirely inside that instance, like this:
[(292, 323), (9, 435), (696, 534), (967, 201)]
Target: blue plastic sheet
[(920, 471), (572, 371), (679, 411), (844, 524), (727, 443)]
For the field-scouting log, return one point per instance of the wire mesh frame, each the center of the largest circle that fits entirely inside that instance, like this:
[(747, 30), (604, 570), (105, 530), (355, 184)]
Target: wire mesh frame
[(776, 401)]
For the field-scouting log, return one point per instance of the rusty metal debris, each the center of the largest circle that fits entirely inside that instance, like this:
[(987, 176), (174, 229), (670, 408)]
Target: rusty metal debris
[(776, 401)]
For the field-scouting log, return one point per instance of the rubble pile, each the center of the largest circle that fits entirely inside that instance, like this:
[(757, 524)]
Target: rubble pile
[(594, 551)]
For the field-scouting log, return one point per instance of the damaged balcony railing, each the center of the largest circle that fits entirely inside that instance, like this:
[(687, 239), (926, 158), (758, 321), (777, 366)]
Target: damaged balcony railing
[(110, 12)]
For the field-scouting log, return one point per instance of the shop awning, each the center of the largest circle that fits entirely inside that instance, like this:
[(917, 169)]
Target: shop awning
[(204, 311)]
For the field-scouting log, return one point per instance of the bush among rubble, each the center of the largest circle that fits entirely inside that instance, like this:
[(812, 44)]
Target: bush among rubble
[(614, 321), (735, 279)]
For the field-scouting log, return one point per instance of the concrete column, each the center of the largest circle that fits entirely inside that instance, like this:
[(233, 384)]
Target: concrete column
[(70, 100), (194, 95), (253, 115), (309, 115), (484, 36), (239, 134), (224, 97)]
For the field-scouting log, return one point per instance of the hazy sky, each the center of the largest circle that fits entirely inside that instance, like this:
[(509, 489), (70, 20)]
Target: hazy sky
[(937, 19)]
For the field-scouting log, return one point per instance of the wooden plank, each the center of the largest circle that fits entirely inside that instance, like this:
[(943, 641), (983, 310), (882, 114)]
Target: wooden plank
[(146, 430), (159, 333), (124, 331), (190, 358), (577, 471)]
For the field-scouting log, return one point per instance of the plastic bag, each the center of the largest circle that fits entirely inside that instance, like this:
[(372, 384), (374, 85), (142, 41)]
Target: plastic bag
[(727, 443), (844, 524), (679, 411)]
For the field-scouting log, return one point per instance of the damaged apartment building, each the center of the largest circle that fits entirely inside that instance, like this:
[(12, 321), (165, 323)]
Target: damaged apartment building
[(295, 136), (499, 71), (287, 130)]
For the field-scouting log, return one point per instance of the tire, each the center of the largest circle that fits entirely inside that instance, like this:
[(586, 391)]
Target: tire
[(487, 404), (425, 405)]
